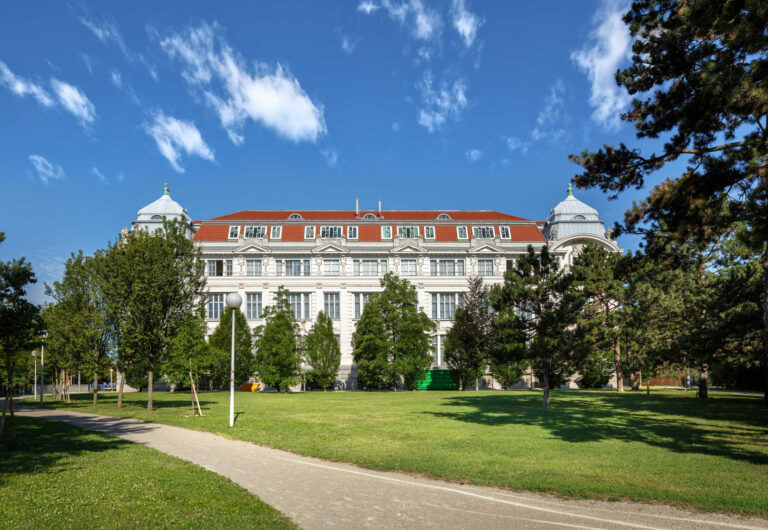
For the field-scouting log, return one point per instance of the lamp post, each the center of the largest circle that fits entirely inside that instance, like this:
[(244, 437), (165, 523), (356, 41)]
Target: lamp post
[(42, 364), (234, 301), (34, 381)]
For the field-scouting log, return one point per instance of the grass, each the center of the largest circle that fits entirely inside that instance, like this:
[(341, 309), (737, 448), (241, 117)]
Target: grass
[(66, 477), (667, 447)]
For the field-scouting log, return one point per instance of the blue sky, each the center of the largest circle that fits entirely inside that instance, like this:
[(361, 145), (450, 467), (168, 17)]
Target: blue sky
[(424, 104)]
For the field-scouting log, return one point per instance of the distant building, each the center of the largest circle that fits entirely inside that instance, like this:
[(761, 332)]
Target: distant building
[(333, 260)]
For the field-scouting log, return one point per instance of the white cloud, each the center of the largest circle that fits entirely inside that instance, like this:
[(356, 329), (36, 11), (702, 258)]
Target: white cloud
[(473, 155), (395, 126), (348, 44), (46, 170), (367, 7), (107, 31), (88, 62), (23, 87), (441, 104), (117, 78), (72, 99), (550, 117), (95, 172), (271, 96), (331, 157), (426, 22), (515, 144), (609, 45), (174, 136), (465, 22)]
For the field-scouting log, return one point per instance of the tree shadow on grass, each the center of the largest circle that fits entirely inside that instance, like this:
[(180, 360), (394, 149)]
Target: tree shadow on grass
[(732, 428), (82, 401), (44, 444)]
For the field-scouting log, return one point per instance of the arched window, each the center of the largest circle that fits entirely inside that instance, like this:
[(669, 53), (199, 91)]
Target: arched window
[(157, 217), (444, 217), (578, 218), (369, 216), (295, 216)]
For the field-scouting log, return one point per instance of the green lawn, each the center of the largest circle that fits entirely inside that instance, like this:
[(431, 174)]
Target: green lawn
[(65, 477), (666, 447)]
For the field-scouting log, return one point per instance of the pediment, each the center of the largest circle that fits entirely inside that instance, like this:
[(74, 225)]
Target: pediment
[(252, 248), (330, 248), (485, 249), (408, 248)]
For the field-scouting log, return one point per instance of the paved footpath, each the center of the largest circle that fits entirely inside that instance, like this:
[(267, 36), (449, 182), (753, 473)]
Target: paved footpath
[(319, 494)]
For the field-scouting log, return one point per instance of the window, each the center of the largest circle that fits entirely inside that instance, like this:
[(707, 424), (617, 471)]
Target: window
[(461, 232), (330, 267), (277, 232), (483, 232), (369, 216), (504, 232), (234, 232), (292, 267), (330, 232), (360, 300), (510, 264), (429, 232), (369, 267), (446, 267), (295, 216), (299, 305), (444, 217), (331, 305), (253, 305), (408, 267), (309, 232), (386, 232), (485, 267), (444, 305), (578, 218), (253, 267), (407, 231), (219, 267), (351, 232), (215, 305), (255, 231)]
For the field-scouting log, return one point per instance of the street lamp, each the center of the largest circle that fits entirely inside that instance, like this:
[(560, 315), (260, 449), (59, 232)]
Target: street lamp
[(42, 363), (34, 381), (234, 301)]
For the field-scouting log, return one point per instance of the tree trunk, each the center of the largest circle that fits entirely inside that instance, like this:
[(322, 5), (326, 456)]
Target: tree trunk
[(95, 383), (639, 371), (617, 364), (150, 382), (545, 386), (121, 375), (765, 317), (12, 447), (703, 381), (477, 384)]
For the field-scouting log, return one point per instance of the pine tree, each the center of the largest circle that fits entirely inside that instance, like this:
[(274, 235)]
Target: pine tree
[(322, 353), (277, 361), (467, 342), (536, 316), (370, 346)]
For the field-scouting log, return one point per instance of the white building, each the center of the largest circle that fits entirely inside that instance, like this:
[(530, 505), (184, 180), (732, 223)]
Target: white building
[(333, 260)]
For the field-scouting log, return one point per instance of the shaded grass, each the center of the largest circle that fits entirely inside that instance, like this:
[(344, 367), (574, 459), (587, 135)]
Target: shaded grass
[(62, 476), (667, 447)]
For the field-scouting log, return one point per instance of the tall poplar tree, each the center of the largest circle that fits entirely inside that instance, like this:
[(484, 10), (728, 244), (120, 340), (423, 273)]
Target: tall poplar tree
[(278, 362), (220, 344), (322, 353)]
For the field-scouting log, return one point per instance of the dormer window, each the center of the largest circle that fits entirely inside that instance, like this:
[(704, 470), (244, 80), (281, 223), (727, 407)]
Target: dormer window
[(351, 232), (429, 232), (309, 232), (504, 232), (255, 231), (461, 232), (482, 232), (234, 232), (407, 232), (276, 232), (386, 232), (295, 216), (579, 218), (443, 217), (157, 217), (332, 232), (369, 216)]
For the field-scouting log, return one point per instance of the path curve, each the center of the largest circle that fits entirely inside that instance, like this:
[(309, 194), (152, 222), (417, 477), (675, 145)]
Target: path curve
[(319, 494)]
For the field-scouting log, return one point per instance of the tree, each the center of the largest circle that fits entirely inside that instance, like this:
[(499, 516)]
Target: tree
[(698, 77), (188, 352), (536, 313), (392, 341), (278, 362), (595, 273), (220, 344), (19, 325), (151, 284), (467, 342), (322, 353)]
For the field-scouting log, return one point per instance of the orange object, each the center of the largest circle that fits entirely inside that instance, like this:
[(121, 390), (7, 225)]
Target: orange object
[(249, 387)]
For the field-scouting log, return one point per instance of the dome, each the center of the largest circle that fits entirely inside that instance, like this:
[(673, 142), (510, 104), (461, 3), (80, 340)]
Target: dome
[(162, 207), (572, 208), (572, 217)]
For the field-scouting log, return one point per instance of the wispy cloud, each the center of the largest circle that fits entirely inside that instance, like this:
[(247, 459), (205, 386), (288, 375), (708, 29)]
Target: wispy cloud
[(367, 7), (550, 119), (440, 104), (174, 136), (465, 22), (331, 156), (268, 95), (88, 62), (23, 87), (108, 32), (348, 44), (45, 169), (98, 174), (117, 78), (473, 155), (609, 44), (516, 144), (72, 99), (422, 22)]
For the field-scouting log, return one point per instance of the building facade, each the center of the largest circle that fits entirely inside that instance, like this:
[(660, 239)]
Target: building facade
[(333, 260)]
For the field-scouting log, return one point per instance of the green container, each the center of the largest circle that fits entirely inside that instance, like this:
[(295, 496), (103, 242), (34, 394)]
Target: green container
[(437, 379)]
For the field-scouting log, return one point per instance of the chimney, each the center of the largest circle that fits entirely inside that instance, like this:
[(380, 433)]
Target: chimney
[(380, 209), (357, 208)]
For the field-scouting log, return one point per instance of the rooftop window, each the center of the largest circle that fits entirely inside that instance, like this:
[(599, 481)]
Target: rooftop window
[(444, 217)]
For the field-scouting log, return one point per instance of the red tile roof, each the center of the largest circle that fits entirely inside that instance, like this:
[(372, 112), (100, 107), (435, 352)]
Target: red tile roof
[(349, 215)]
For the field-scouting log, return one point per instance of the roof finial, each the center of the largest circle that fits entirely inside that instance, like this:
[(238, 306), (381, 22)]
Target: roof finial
[(166, 191), (570, 189)]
